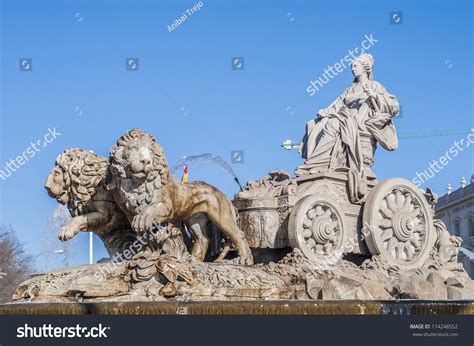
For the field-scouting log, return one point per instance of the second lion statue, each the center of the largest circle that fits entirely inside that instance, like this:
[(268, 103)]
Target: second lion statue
[(148, 194), (78, 181)]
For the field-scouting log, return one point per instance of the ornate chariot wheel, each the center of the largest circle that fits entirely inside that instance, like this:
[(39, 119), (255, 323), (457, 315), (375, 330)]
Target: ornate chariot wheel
[(316, 227), (398, 223)]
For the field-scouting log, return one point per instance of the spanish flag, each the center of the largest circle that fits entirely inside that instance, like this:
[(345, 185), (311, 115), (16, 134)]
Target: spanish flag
[(184, 179)]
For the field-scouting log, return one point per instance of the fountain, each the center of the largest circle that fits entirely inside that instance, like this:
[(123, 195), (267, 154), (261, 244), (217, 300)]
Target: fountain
[(330, 240)]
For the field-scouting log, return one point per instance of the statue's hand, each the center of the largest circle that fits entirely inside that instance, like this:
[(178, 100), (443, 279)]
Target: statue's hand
[(67, 232), (371, 93)]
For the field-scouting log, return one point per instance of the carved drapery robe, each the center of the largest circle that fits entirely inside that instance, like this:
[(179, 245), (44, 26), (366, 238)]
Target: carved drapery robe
[(333, 139)]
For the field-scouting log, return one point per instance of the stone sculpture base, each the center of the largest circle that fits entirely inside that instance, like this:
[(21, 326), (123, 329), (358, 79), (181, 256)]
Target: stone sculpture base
[(153, 277)]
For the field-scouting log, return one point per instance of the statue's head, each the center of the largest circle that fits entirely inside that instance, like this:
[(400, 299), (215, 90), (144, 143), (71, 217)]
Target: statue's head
[(56, 185), (75, 176), (364, 63), (137, 156)]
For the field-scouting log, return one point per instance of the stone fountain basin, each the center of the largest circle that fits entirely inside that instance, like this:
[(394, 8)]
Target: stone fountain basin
[(274, 307)]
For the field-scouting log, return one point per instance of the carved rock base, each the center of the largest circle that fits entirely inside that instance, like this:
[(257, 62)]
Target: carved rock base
[(148, 277)]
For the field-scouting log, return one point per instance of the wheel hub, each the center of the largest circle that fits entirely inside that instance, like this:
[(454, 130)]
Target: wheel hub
[(403, 226), (322, 230)]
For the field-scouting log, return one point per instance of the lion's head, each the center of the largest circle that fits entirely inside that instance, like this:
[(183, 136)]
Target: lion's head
[(75, 177), (139, 168)]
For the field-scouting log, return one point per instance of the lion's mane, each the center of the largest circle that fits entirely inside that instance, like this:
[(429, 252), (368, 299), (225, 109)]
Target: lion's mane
[(137, 196), (83, 172)]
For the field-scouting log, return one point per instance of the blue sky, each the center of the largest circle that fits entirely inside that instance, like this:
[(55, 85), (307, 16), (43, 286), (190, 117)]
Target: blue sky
[(187, 95)]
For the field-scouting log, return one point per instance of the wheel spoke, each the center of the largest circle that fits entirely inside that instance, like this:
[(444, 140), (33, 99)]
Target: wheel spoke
[(415, 240), (386, 213), (392, 243), (398, 198), (385, 223), (310, 243), (307, 223), (386, 234), (399, 250), (390, 202), (410, 250), (331, 233), (415, 212), (319, 210), (328, 213), (327, 248), (408, 200)]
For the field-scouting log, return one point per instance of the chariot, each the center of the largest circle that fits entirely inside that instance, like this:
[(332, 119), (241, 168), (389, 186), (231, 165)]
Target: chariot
[(314, 213)]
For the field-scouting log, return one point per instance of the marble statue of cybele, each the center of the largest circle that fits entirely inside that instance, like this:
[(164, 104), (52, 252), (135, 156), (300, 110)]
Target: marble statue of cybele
[(344, 135)]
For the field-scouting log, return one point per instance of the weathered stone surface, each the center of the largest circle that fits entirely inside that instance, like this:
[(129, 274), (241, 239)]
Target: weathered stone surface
[(294, 277), (455, 293), (436, 279), (460, 287), (72, 284), (350, 288), (414, 288)]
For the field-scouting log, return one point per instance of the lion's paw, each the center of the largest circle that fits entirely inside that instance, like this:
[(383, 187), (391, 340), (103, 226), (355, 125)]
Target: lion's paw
[(142, 223), (244, 261), (67, 232)]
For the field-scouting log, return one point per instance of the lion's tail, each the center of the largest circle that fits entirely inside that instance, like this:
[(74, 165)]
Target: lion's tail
[(235, 213)]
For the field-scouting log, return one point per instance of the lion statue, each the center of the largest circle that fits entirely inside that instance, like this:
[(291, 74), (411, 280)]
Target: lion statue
[(150, 195), (78, 181)]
